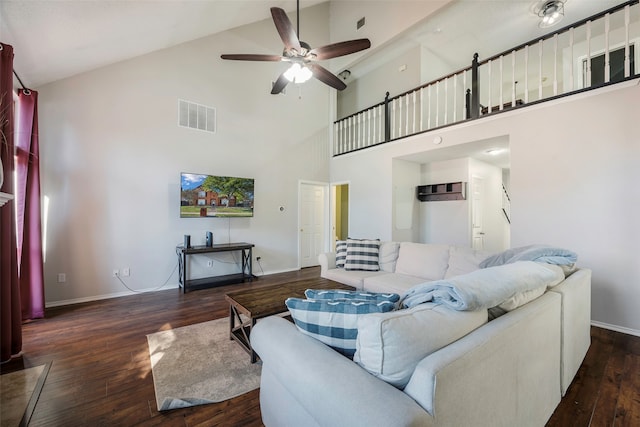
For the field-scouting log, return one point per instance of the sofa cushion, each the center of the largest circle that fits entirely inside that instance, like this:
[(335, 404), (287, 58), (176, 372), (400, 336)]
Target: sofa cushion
[(362, 254), (341, 294), (388, 256), (334, 323), (464, 260), (391, 282), (341, 253), (390, 345), (353, 278), (427, 261)]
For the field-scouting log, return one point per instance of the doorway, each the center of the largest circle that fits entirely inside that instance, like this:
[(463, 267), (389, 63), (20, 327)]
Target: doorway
[(340, 213)]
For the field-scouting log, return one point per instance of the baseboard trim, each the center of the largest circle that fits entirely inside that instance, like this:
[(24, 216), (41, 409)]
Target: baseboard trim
[(616, 328), (51, 304), (61, 303)]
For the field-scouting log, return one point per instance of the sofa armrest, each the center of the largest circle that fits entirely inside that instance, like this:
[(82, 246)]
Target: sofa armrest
[(326, 387), (327, 261), (487, 377), (576, 323)]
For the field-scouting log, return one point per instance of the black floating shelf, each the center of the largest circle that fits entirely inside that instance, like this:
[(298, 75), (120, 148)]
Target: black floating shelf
[(439, 192)]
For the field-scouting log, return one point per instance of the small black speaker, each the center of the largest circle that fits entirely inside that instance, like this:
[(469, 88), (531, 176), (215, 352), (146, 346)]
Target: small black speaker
[(209, 239), (187, 241)]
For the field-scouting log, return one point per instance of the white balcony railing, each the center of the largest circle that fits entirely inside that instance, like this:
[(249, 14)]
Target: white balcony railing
[(601, 50)]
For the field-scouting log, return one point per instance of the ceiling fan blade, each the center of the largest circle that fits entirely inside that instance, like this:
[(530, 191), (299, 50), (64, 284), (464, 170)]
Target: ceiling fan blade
[(252, 57), (285, 29), (279, 85), (340, 49), (326, 77)]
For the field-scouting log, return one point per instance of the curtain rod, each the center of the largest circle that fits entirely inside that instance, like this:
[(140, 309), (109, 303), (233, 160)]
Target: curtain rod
[(26, 90)]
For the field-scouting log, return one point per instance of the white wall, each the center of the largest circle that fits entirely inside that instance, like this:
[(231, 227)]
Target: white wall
[(397, 75), (112, 153), (406, 209), (573, 175), (448, 221), (384, 20)]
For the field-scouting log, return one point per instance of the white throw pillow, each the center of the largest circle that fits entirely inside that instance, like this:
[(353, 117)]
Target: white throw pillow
[(388, 256), (390, 345)]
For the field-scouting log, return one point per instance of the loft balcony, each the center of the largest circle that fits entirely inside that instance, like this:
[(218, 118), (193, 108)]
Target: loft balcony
[(597, 51)]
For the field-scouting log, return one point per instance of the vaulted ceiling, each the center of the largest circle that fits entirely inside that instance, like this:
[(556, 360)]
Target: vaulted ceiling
[(58, 39)]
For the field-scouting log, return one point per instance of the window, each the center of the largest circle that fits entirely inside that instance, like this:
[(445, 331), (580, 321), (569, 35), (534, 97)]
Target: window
[(616, 63)]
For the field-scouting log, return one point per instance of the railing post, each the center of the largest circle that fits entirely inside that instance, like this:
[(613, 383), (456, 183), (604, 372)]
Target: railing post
[(387, 119), (475, 88), (467, 104)]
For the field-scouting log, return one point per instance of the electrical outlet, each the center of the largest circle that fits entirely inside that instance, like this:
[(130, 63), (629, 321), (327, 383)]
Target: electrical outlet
[(126, 272), (116, 272), (210, 263), (62, 277)]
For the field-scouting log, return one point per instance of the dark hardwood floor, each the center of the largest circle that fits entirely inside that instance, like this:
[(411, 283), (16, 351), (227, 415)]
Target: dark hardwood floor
[(101, 375)]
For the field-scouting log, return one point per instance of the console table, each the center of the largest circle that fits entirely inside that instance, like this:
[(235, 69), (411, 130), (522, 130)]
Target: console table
[(183, 253)]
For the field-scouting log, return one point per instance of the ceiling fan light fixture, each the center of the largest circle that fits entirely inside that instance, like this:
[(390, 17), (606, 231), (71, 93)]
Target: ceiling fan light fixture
[(297, 73), (551, 12)]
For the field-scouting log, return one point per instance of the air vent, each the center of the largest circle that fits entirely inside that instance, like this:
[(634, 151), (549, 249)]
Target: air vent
[(196, 116)]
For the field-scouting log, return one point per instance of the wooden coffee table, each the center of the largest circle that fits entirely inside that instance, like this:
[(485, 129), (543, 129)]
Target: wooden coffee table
[(257, 303)]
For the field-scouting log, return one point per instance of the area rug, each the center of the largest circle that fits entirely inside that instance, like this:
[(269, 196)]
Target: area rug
[(199, 364), (19, 393)]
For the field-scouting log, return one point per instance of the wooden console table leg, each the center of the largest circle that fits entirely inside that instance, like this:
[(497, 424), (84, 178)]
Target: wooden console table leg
[(240, 331)]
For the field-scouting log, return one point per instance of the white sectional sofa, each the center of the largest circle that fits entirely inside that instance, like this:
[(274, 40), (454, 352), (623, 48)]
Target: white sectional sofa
[(403, 265), (512, 370)]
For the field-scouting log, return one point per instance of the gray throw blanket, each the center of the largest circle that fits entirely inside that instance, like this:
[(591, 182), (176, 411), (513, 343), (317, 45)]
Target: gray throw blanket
[(538, 253), (482, 289)]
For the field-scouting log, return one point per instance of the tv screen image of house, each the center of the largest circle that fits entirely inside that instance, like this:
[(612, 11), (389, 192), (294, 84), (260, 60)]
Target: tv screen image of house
[(210, 196)]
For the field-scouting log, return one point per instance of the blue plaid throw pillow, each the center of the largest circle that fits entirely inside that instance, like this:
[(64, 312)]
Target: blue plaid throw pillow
[(334, 323), (340, 294)]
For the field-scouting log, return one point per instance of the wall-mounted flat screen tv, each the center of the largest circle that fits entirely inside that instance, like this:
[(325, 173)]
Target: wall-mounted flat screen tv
[(210, 196)]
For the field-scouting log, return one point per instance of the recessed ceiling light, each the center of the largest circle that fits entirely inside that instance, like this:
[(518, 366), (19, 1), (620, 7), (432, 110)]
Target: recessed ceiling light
[(495, 151)]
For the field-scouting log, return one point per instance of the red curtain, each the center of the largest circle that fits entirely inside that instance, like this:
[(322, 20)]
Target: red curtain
[(30, 268), (10, 311)]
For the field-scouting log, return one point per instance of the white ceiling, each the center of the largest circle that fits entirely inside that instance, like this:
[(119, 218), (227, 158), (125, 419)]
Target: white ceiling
[(61, 38), (54, 39)]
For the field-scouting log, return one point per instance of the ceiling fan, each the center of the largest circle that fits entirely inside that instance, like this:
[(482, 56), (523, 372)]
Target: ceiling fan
[(301, 56)]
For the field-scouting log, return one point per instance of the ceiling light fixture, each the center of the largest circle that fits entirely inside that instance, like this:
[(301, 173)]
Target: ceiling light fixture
[(297, 73), (551, 12)]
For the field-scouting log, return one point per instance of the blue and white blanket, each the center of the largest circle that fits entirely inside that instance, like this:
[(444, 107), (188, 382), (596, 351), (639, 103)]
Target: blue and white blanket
[(538, 253), (484, 288)]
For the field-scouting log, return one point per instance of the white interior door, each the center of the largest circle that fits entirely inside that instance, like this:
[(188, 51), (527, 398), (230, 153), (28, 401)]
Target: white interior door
[(477, 206), (311, 236)]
